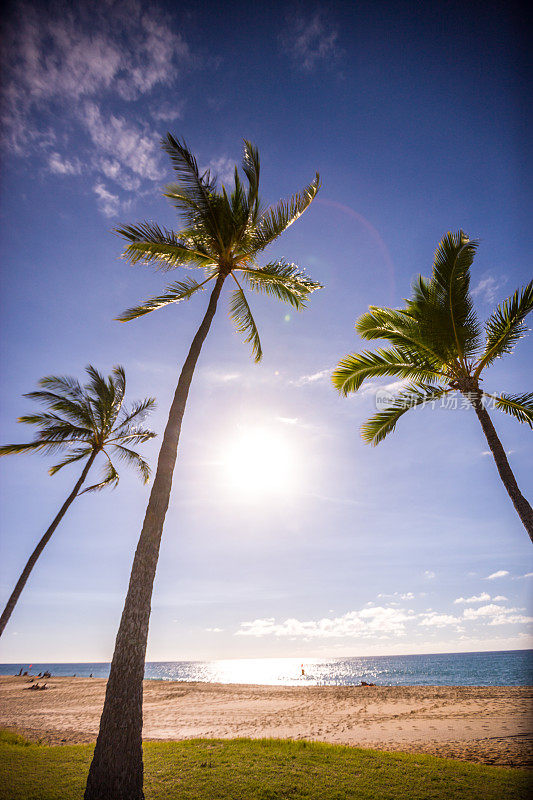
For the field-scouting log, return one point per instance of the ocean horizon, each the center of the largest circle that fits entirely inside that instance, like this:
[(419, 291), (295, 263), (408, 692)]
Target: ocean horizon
[(492, 668)]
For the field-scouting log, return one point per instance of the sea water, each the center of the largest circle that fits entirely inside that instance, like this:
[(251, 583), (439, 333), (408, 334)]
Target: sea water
[(500, 668)]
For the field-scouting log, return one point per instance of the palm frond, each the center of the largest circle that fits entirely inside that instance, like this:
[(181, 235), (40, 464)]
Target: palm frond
[(375, 429), (519, 406), (505, 326), (110, 477), (132, 436), (77, 455), (251, 168), (138, 412), (177, 291), (198, 192), (403, 331), (241, 315), (65, 385), (354, 369), (286, 282), (133, 459), (279, 217), (149, 243), (450, 284), (74, 410), (26, 447)]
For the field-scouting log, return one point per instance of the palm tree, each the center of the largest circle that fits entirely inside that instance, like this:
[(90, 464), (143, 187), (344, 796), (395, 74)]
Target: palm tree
[(436, 346), (223, 233), (81, 422)]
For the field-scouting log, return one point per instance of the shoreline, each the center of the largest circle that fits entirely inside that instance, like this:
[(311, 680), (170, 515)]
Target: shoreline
[(486, 724)]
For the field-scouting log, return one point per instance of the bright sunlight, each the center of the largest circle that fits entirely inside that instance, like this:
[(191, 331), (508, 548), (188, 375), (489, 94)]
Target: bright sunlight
[(260, 461)]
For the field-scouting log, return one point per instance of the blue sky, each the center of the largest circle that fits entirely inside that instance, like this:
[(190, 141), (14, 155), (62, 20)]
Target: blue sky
[(414, 117)]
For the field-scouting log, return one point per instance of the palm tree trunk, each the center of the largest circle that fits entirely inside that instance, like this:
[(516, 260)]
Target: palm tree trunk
[(11, 603), (116, 771), (523, 508)]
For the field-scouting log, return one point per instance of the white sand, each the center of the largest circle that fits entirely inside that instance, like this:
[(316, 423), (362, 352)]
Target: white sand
[(489, 724)]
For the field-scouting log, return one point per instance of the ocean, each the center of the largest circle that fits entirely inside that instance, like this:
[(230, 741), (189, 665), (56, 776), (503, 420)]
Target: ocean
[(499, 668)]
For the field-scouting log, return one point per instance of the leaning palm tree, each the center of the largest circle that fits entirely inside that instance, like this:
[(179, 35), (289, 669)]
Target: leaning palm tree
[(437, 347), (81, 422), (223, 234)]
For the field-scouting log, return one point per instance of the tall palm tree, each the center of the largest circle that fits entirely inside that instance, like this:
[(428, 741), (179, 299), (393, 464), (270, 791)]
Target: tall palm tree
[(223, 233), (437, 346), (81, 422)]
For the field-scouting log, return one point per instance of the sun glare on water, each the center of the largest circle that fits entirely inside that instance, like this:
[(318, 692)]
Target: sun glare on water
[(260, 462)]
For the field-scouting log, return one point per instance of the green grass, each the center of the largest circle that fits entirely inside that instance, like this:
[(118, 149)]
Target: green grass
[(259, 769)]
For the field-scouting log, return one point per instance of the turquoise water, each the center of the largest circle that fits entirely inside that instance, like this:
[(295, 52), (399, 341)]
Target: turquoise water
[(500, 668)]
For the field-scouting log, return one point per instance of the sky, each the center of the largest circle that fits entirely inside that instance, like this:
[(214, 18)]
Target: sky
[(286, 535)]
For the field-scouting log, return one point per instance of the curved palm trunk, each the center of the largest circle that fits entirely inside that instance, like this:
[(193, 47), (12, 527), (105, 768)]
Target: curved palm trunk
[(523, 508), (116, 771), (11, 603)]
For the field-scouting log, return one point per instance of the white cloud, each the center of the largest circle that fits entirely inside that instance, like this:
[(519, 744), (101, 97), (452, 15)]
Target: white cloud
[(316, 377), (288, 420), (499, 598), (366, 622), (168, 112), (487, 288), (497, 615), (63, 64), (400, 595), (476, 598), (501, 573), (429, 574), (435, 620), (222, 167), (61, 54), (63, 166), (125, 142), (309, 41), (108, 203), (215, 630), (526, 575)]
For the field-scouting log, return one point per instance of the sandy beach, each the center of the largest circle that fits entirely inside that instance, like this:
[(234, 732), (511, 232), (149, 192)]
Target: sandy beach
[(492, 724)]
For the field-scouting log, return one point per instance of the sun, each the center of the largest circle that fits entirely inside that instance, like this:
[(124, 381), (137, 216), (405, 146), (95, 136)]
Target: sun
[(259, 462)]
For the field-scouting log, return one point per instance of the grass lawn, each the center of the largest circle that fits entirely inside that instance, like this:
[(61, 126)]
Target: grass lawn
[(259, 769)]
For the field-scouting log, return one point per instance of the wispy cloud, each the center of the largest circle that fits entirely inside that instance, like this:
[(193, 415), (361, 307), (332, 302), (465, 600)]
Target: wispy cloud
[(63, 166), (222, 167), (108, 203), (322, 376), (310, 40), (429, 574), (487, 288), (501, 573)]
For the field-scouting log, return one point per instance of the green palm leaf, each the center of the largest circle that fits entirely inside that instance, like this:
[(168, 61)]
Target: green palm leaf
[(77, 455), (451, 282), (519, 406), (177, 291), (375, 429), (404, 332), (241, 315), (149, 243), (133, 459), (506, 326), (282, 280), (279, 217), (110, 477), (354, 369)]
